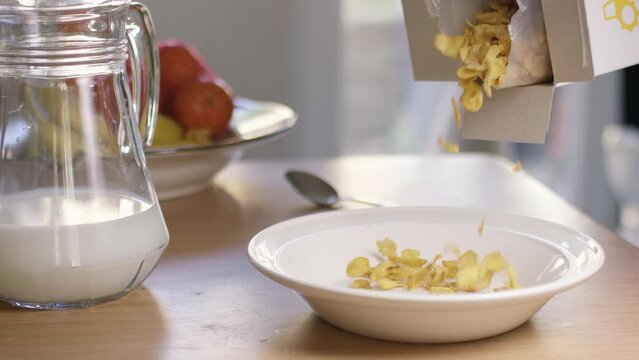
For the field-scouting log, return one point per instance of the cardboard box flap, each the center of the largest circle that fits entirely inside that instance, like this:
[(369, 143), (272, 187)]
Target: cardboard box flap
[(428, 63), (519, 114), (568, 41), (590, 38), (613, 33)]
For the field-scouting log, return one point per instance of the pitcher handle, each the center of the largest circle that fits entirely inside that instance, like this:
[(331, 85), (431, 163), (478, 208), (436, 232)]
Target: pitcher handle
[(145, 69)]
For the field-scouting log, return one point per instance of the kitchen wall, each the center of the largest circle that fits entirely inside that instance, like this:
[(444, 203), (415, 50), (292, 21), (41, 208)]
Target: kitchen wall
[(280, 50), (344, 66)]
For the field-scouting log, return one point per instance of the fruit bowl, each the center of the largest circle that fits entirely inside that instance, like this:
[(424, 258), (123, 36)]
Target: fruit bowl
[(183, 170)]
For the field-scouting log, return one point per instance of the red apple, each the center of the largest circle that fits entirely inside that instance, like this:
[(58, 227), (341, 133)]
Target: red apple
[(181, 63), (203, 104)]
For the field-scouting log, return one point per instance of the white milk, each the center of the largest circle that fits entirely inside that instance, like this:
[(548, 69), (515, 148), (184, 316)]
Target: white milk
[(58, 249)]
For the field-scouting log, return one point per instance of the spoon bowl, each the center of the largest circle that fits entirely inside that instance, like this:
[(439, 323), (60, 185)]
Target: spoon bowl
[(318, 191), (313, 188)]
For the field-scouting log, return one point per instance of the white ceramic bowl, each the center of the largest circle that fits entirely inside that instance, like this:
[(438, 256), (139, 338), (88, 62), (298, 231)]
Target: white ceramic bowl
[(310, 254), (184, 170)]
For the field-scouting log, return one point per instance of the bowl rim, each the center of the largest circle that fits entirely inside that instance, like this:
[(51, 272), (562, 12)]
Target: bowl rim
[(569, 280), (287, 120)]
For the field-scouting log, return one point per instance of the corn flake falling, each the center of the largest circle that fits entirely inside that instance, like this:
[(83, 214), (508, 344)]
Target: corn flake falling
[(458, 120), (448, 146), (409, 271), (484, 51), (517, 167)]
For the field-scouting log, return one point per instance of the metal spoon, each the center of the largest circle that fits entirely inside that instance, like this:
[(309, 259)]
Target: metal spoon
[(318, 191)]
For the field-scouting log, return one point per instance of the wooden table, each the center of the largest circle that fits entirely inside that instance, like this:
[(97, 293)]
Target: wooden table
[(205, 301)]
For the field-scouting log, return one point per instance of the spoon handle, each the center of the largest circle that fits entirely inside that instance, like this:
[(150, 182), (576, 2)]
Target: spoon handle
[(362, 201)]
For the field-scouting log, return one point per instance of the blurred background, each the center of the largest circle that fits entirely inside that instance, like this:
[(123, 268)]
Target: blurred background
[(345, 67)]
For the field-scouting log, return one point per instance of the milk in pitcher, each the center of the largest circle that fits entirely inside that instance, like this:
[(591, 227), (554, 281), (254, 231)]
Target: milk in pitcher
[(62, 249)]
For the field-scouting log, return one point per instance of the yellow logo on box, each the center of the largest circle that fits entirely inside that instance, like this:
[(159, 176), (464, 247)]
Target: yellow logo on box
[(624, 11)]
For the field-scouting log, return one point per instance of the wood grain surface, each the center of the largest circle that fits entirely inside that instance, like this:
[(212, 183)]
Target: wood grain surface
[(205, 301)]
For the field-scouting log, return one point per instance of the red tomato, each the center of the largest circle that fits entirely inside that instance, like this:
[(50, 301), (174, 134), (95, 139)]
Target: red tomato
[(203, 104)]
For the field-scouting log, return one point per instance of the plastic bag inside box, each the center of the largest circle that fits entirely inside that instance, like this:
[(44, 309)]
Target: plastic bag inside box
[(529, 59)]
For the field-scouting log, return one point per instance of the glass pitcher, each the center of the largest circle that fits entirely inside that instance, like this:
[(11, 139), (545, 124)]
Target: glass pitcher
[(79, 220)]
